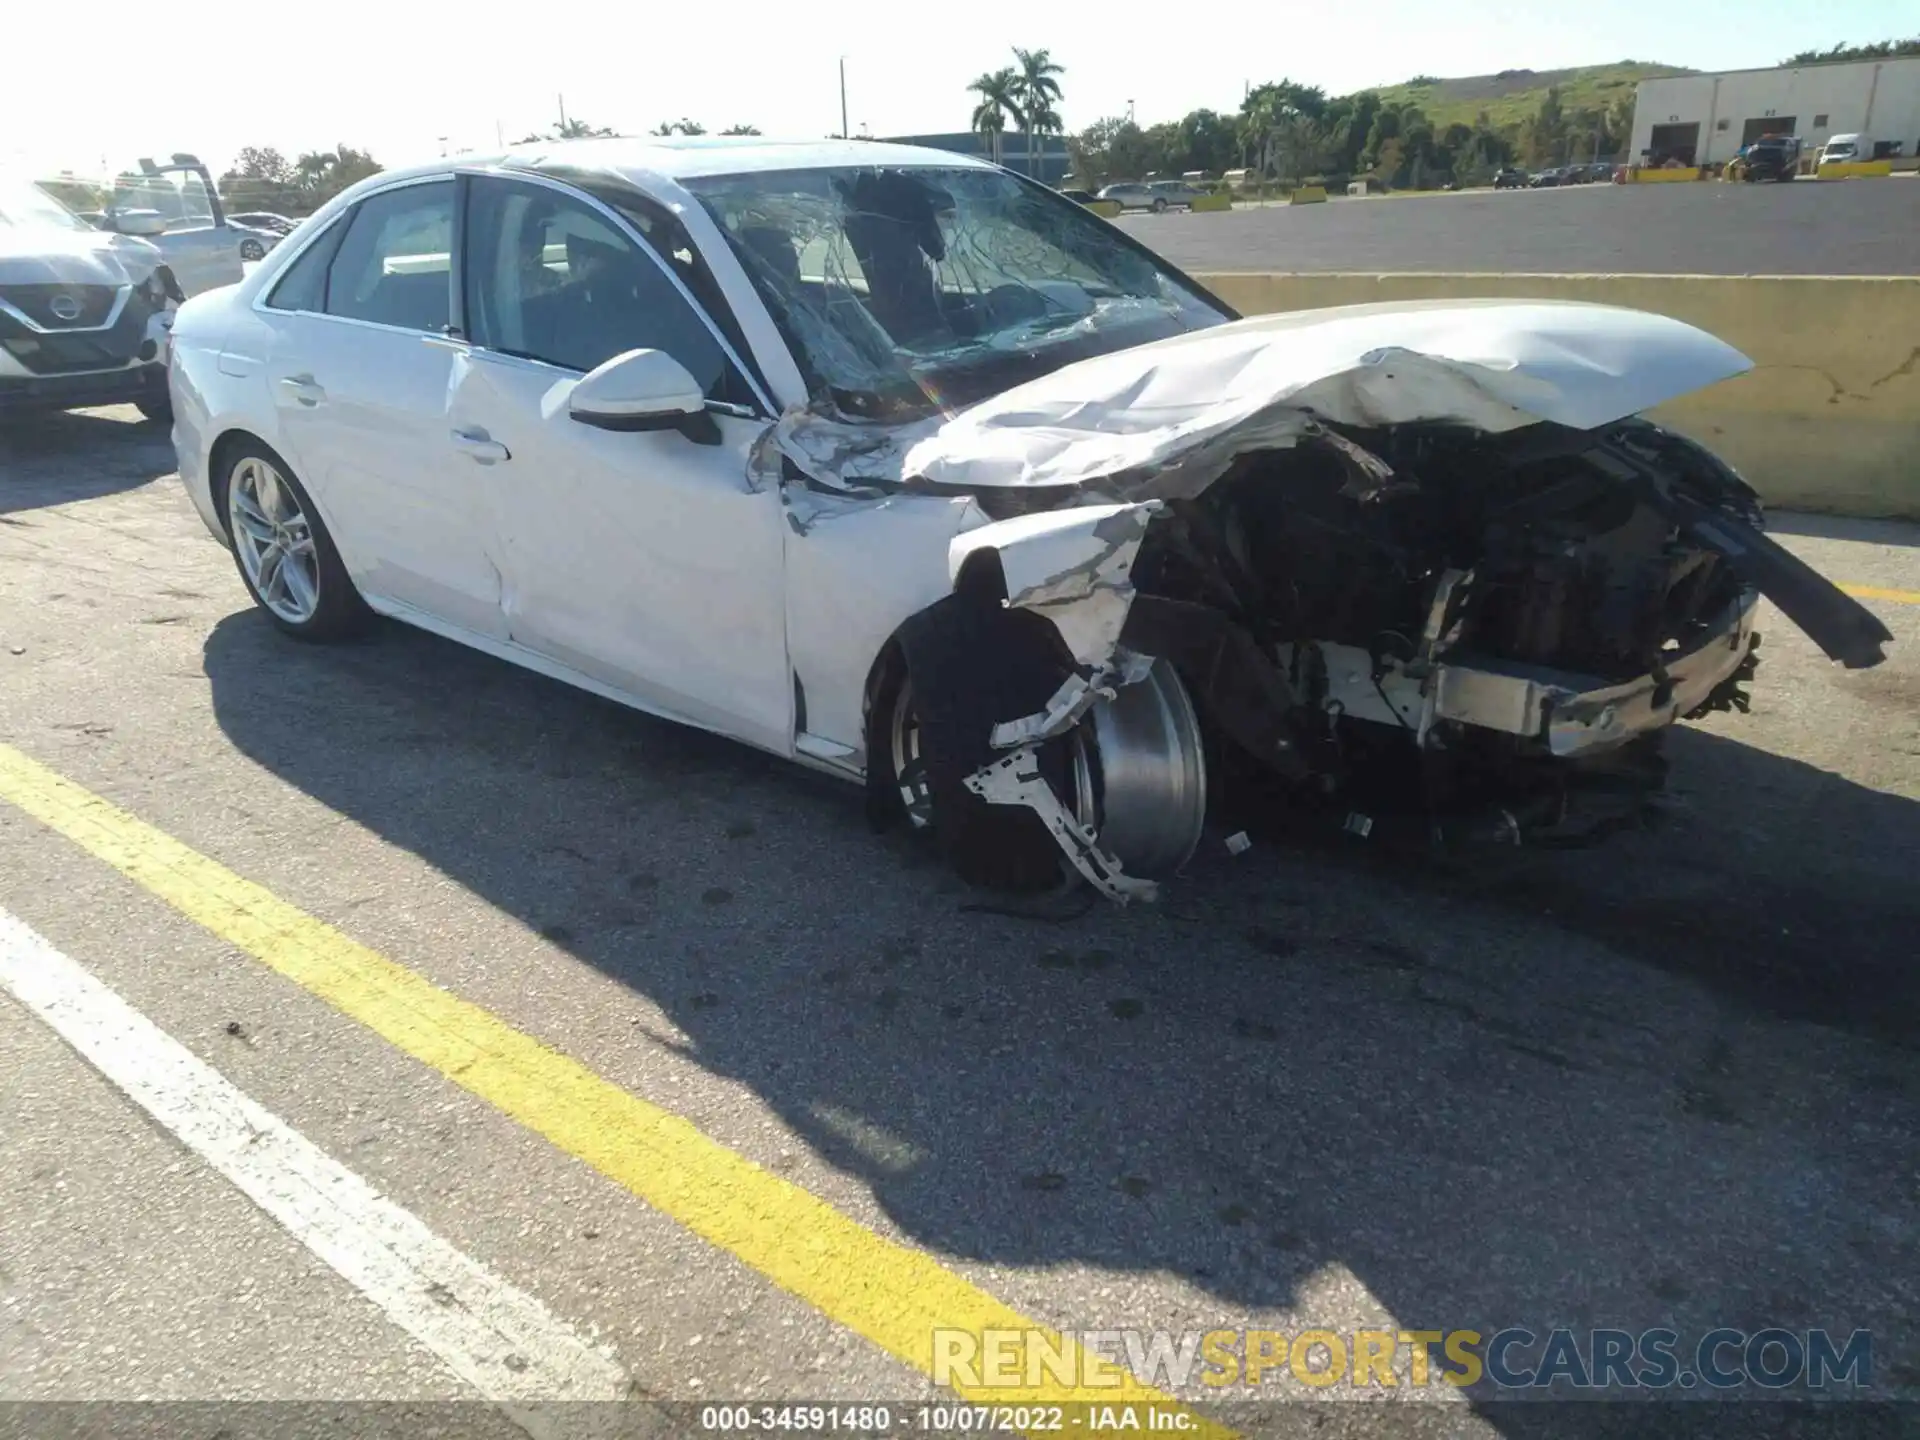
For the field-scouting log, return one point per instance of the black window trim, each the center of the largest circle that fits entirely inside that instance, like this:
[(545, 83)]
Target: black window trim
[(321, 246), (768, 410), (337, 229)]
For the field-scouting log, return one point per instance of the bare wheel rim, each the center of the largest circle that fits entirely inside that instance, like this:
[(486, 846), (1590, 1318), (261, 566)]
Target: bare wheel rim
[(909, 766), (274, 540)]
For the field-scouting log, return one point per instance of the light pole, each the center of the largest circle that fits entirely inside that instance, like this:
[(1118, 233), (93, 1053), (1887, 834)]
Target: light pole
[(843, 97), (1130, 112)]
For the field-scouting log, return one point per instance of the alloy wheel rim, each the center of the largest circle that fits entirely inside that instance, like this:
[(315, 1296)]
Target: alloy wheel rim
[(909, 768), (274, 539)]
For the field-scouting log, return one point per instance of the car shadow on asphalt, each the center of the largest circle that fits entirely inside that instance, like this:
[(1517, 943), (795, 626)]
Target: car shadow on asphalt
[(1670, 1082), (70, 455)]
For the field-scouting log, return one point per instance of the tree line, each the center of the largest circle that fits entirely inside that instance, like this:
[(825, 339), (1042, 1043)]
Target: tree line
[(1879, 50), (262, 178), (1288, 132)]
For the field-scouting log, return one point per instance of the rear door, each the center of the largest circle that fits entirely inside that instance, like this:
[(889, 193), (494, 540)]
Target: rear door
[(361, 369)]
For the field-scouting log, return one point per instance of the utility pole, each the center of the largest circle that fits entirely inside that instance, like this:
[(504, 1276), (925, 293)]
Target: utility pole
[(843, 97), (563, 114)]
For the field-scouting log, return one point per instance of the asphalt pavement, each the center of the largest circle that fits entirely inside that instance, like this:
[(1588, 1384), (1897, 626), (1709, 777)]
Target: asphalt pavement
[(1671, 1081), (1853, 227)]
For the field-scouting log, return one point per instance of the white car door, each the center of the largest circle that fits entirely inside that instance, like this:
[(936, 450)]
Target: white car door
[(360, 368), (642, 560)]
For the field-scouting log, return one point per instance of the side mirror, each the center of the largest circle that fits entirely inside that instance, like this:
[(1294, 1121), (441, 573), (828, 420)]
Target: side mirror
[(638, 390), (143, 223)]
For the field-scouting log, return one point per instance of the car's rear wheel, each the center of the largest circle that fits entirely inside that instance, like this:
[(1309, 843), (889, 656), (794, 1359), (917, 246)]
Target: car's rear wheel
[(1160, 206), (287, 559), (252, 250)]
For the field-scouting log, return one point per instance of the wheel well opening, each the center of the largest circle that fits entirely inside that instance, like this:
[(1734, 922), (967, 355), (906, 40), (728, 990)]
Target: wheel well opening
[(219, 461)]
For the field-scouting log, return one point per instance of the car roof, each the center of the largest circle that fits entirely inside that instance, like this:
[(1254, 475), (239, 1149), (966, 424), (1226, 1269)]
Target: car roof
[(683, 157)]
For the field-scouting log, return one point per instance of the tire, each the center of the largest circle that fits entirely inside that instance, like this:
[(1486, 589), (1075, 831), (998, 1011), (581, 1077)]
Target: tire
[(252, 250), (977, 665), (1160, 207), (266, 509)]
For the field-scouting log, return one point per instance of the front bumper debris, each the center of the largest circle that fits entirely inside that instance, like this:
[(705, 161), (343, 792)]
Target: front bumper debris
[(90, 387), (1569, 714)]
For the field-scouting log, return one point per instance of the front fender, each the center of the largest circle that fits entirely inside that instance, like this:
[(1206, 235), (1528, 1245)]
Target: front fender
[(1073, 567)]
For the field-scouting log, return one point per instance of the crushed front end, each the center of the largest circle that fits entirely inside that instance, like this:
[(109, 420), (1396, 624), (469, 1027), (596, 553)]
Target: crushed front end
[(1462, 634)]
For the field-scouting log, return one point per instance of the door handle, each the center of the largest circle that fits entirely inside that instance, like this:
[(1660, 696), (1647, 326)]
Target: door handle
[(303, 388), (480, 447)]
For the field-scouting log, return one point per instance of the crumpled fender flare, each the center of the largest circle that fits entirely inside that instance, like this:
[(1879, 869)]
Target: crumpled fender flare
[(1073, 567)]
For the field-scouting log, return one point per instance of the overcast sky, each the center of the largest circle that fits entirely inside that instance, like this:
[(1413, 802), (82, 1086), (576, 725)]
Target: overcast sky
[(96, 84)]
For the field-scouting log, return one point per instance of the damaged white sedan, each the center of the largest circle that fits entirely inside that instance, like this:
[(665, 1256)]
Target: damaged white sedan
[(906, 468)]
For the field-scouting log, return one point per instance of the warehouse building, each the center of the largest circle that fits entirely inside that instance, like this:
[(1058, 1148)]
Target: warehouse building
[(1706, 119)]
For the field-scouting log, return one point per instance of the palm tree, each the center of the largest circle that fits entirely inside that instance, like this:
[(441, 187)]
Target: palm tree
[(996, 90), (1035, 91)]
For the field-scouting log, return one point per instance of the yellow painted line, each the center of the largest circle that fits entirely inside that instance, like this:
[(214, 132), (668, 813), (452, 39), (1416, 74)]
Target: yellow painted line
[(892, 1294), (1880, 592)]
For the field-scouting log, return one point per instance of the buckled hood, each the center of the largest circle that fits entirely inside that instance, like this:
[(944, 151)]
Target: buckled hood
[(1167, 419)]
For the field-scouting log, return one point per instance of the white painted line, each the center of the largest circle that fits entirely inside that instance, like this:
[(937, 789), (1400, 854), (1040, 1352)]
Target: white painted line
[(496, 1337)]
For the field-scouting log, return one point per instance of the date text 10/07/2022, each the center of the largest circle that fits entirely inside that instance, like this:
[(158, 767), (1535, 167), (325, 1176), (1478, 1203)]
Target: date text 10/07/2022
[(946, 1419)]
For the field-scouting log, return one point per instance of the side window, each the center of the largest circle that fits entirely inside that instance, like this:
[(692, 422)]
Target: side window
[(304, 286), (552, 279), (394, 265)]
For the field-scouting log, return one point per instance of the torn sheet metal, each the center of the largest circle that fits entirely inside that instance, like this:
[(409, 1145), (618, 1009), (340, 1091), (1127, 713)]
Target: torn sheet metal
[(1073, 566), (1016, 780), (1167, 419), (835, 454), (1076, 696)]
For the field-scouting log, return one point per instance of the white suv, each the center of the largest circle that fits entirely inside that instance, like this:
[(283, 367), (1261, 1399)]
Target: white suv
[(84, 316)]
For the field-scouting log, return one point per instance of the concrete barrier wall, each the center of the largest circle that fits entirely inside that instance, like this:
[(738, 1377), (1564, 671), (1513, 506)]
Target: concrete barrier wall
[(1856, 170), (1828, 419)]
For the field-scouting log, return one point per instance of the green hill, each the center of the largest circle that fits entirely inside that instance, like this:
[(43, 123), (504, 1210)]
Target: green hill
[(1513, 95)]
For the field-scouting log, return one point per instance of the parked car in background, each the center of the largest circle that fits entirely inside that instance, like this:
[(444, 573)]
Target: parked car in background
[(1508, 177), (1081, 197), (1841, 149), (255, 240), (83, 314), (1545, 178), (894, 464), (280, 225), (1771, 157), (1158, 195), (1170, 194)]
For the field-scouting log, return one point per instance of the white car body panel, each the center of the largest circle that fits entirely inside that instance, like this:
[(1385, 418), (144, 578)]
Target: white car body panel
[(1494, 365), (595, 535), (749, 586)]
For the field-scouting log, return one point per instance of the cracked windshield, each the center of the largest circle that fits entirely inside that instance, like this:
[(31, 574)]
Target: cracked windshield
[(903, 291)]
